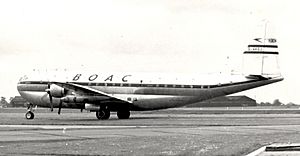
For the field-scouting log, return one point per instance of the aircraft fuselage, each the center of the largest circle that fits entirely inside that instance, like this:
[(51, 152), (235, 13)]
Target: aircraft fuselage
[(143, 92)]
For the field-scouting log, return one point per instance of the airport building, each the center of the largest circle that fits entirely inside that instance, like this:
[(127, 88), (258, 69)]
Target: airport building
[(226, 101), (18, 101)]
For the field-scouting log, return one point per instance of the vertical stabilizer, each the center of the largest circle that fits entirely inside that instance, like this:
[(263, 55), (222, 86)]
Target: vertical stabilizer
[(261, 59)]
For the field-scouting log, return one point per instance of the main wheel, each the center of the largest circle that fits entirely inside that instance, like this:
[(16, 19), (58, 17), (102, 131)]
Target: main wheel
[(29, 115), (103, 114), (123, 114)]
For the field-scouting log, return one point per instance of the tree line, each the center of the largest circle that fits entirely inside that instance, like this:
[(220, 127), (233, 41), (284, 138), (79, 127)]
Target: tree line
[(5, 103)]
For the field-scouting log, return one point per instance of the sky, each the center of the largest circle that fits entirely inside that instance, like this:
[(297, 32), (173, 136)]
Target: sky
[(171, 36)]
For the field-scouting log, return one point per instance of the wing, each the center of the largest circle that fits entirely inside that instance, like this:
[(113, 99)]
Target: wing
[(77, 89)]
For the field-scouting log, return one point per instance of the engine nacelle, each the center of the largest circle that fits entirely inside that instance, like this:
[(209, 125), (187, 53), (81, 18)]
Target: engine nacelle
[(56, 91), (74, 99), (91, 107), (83, 99)]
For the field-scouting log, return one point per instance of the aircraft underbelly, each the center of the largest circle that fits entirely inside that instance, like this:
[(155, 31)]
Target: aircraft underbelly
[(152, 102)]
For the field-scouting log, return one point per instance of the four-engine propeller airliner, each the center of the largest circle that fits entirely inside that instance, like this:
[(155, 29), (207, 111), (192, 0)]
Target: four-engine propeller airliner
[(124, 92)]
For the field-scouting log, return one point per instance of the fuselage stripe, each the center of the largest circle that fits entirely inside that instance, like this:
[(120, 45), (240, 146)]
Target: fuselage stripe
[(261, 52), (264, 46)]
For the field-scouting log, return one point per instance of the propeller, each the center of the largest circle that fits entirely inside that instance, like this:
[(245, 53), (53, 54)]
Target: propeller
[(50, 97), (59, 107), (48, 90)]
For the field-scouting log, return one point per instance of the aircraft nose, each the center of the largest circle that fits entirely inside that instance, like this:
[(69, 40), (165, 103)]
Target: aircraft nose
[(20, 87)]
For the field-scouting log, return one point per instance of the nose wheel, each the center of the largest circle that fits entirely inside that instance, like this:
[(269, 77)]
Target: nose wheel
[(29, 115)]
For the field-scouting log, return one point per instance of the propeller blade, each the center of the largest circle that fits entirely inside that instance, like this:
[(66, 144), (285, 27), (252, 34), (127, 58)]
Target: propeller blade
[(59, 107), (51, 104), (50, 98)]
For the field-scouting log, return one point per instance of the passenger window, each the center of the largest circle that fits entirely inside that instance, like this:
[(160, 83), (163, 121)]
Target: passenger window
[(160, 85)]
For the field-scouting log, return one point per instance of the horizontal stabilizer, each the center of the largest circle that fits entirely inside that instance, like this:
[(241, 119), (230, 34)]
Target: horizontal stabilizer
[(257, 77)]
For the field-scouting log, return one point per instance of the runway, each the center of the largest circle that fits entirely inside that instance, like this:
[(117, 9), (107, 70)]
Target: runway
[(158, 133)]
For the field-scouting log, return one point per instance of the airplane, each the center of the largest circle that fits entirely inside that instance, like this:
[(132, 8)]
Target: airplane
[(124, 92)]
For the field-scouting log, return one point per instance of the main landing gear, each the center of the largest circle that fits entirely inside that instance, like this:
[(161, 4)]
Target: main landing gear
[(123, 114), (29, 114), (103, 113)]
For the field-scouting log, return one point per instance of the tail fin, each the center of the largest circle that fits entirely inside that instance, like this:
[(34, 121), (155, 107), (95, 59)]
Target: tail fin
[(262, 59)]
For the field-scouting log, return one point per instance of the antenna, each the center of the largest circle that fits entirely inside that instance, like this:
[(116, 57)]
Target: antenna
[(266, 24), (227, 67), (263, 57)]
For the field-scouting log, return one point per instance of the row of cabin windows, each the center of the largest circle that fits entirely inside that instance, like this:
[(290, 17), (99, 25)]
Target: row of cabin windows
[(148, 85), (132, 85)]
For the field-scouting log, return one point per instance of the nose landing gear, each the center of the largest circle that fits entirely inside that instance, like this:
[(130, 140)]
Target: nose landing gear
[(29, 114)]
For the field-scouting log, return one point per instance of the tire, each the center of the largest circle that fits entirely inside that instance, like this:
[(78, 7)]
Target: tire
[(29, 115), (103, 114), (123, 114)]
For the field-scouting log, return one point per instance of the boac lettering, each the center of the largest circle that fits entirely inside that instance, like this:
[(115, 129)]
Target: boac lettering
[(93, 77), (123, 79), (76, 77), (109, 78)]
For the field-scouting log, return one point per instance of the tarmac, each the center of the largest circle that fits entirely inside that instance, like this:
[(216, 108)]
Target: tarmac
[(151, 133)]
